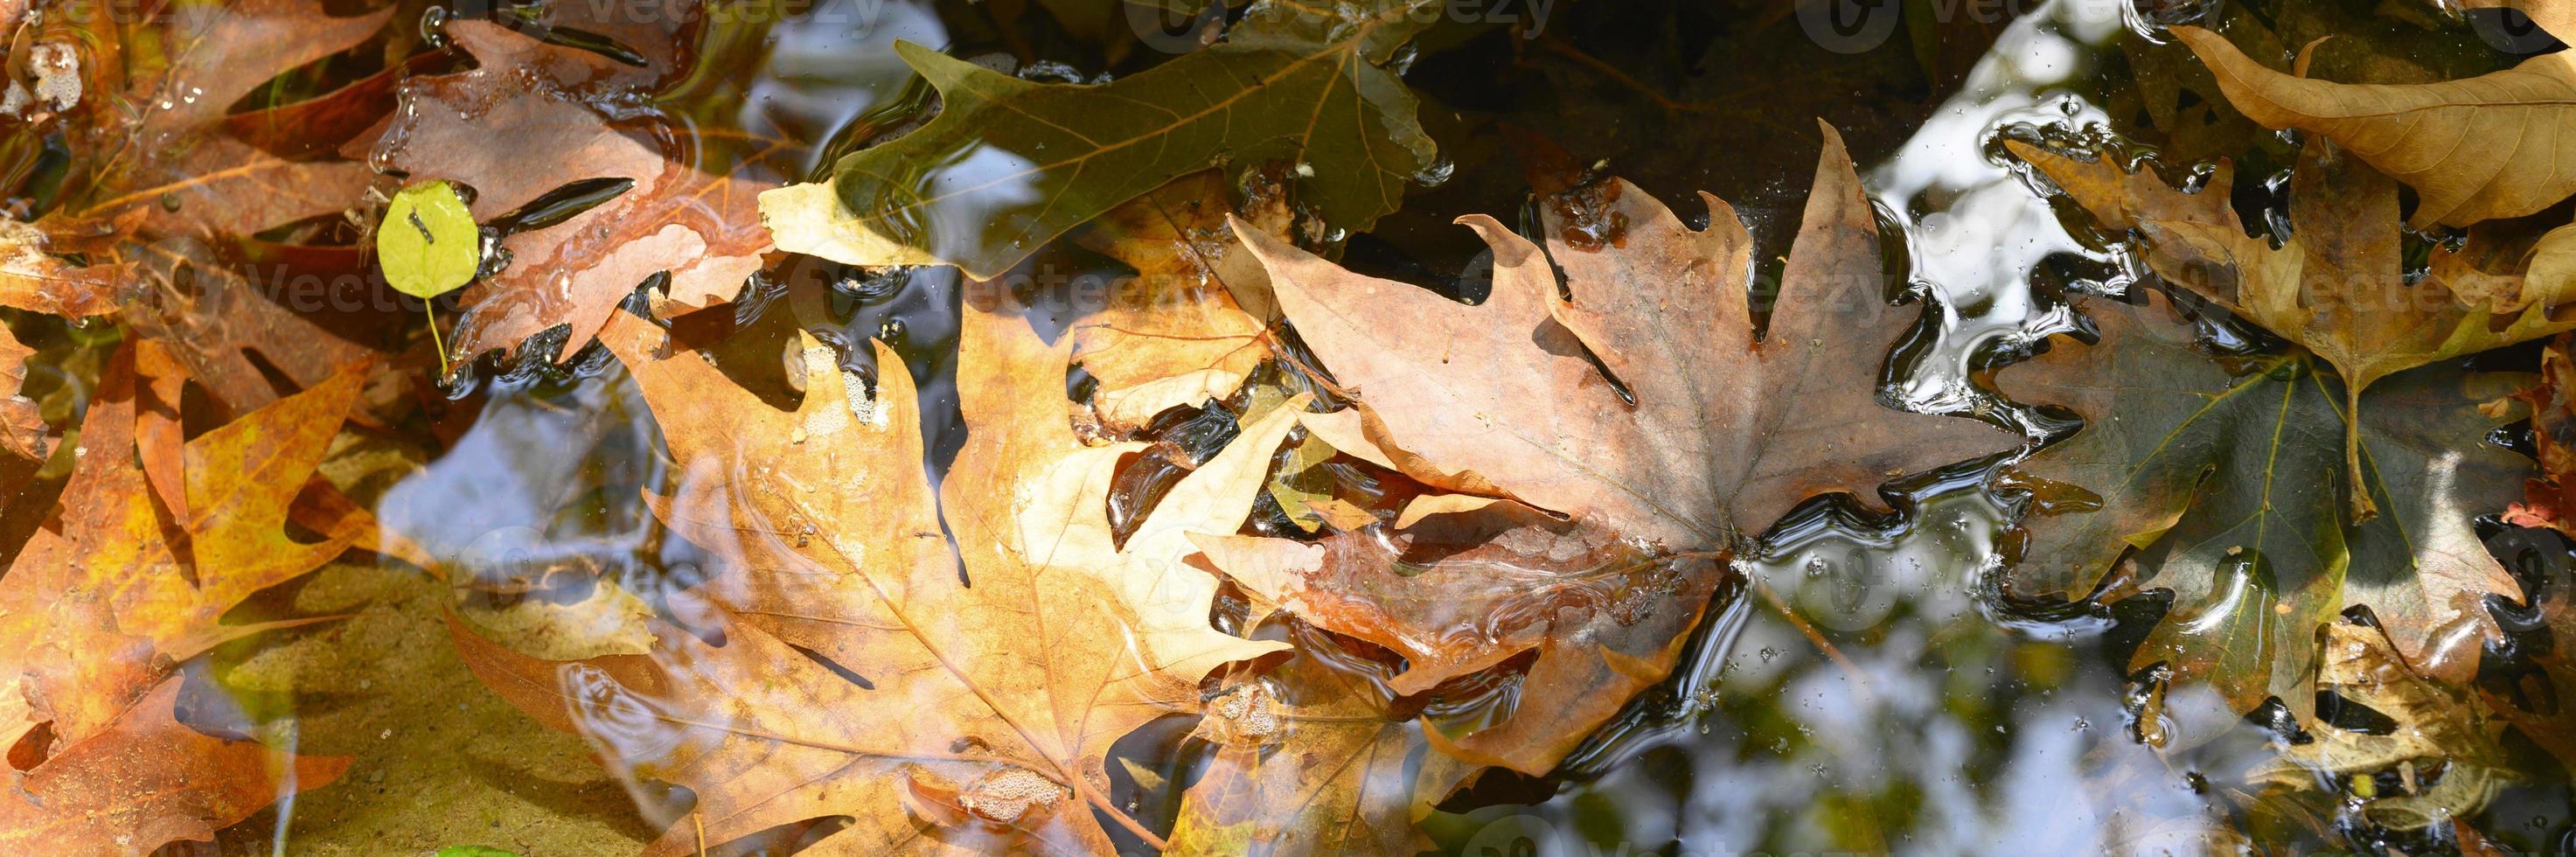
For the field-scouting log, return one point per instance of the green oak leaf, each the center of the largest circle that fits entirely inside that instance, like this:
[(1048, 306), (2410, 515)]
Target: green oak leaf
[(1009, 164), (2227, 486), (428, 243)]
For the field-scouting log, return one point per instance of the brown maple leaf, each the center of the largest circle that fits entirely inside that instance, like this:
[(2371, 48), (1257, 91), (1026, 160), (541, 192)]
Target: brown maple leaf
[(940, 698), (481, 127), (1691, 432)]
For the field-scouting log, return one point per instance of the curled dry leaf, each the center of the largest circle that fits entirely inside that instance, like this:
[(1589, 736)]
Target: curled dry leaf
[(1698, 435), (1190, 326), (109, 604), (2443, 761), (2225, 484), (870, 671), (1009, 164), (2337, 286), (666, 216), (2549, 500), (2474, 149)]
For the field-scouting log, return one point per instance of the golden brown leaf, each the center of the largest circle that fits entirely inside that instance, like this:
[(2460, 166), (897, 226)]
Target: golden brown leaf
[(2475, 149), (1180, 333), (866, 671)]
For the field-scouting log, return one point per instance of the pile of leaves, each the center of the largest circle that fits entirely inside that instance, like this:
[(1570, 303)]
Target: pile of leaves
[(1362, 546)]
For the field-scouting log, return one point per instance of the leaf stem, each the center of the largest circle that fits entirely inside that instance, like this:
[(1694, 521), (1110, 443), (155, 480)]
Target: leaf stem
[(2362, 508), (1095, 798), (429, 309)]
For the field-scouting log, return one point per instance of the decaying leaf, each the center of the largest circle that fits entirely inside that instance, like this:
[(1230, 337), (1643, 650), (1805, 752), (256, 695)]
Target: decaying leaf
[(2226, 484), (2475, 149), (476, 127), (107, 605), (2337, 285), (2549, 499), (1463, 592), (1698, 434), (1190, 326), (1010, 164), (1310, 758), (148, 780), (2444, 763), (866, 672), (23, 431)]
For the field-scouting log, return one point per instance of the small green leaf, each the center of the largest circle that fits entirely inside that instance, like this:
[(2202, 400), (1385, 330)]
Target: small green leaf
[(428, 243)]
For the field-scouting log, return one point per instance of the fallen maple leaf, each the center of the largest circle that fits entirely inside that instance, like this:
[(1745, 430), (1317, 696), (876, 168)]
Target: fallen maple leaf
[(1698, 435), (1009, 164), (1190, 326), (107, 606), (937, 700), (2336, 286), (478, 127), (2473, 149), (2225, 482)]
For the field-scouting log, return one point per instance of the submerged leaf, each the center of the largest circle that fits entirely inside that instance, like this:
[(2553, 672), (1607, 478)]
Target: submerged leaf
[(2446, 762), (1009, 164), (2228, 488), (1465, 592), (664, 216), (2337, 285), (960, 700)]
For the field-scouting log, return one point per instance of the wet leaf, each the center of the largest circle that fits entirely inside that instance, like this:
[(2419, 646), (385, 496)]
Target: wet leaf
[(2336, 286), (1010, 164), (428, 242), (865, 671), (2474, 149), (1464, 592), (2446, 762), (1179, 333), (1698, 435), (109, 603), (147, 781), (23, 431), (2228, 489), (1309, 759), (663, 215), (2549, 500)]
